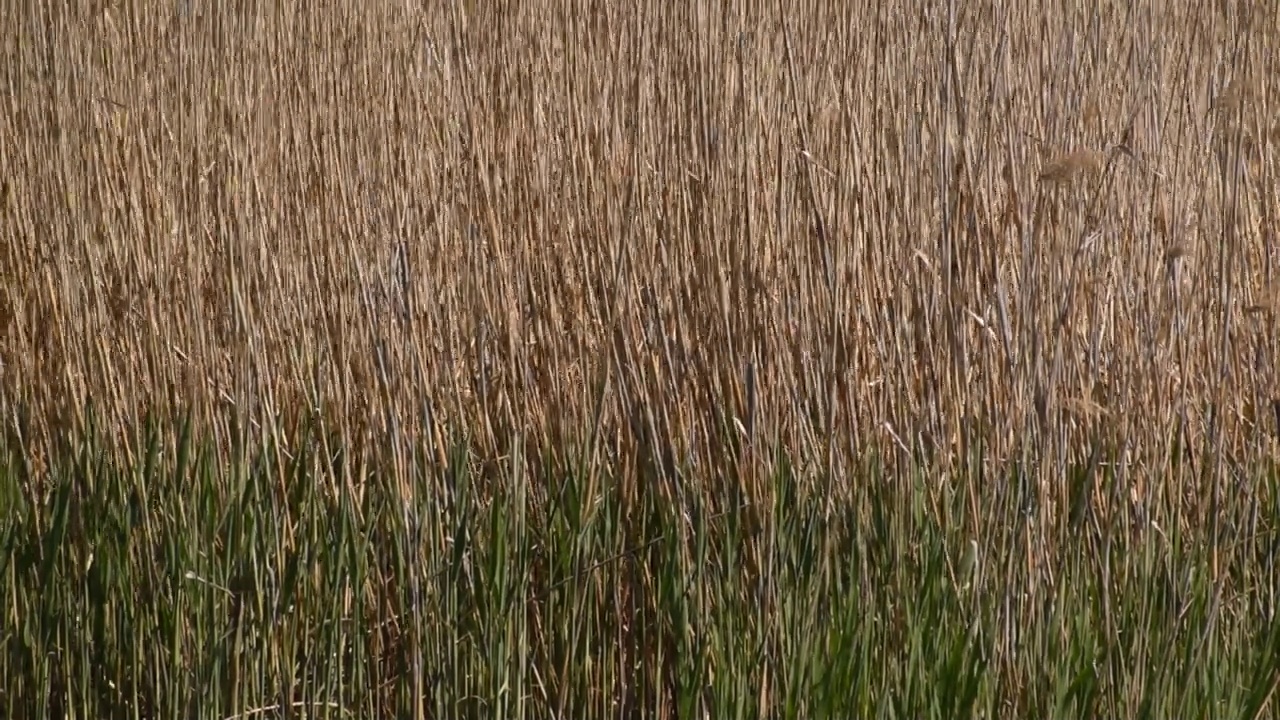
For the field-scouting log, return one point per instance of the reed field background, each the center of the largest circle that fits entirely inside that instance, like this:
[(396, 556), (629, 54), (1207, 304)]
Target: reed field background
[(638, 359)]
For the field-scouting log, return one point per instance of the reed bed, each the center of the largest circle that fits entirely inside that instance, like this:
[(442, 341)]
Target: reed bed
[(484, 359)]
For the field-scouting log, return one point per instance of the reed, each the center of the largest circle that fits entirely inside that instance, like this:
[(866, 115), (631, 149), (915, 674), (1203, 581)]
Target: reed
[(637, 359)]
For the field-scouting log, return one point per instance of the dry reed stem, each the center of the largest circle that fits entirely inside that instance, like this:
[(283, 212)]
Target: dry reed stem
[(534, 222)]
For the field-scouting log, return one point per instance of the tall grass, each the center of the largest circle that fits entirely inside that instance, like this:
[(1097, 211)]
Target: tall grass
[(636, 359), (182, 587)]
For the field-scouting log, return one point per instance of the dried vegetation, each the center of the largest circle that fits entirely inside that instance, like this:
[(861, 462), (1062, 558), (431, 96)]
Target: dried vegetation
[(846, 229), (970, 239)]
